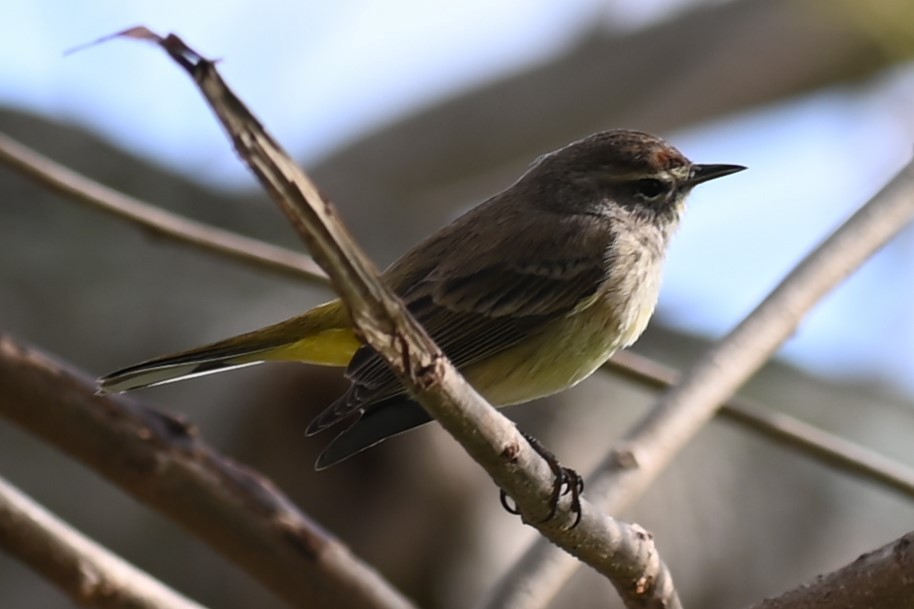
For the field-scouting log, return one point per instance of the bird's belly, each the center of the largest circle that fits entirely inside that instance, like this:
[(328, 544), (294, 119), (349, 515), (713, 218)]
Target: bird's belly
[(566, 352)]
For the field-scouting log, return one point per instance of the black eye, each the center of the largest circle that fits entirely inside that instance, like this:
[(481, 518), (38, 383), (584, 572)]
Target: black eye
[(649, 188)]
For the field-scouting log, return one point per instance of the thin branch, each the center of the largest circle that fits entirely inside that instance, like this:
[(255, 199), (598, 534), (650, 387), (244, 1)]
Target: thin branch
[(883, 578), (88, 573), (176, 228), (826, 448), (625, 554), (712, 60), (166, 465), (535, 579)]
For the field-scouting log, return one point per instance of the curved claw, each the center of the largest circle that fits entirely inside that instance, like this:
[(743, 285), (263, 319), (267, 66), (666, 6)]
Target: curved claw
[(511, 509), (566, 480), (575, 486)]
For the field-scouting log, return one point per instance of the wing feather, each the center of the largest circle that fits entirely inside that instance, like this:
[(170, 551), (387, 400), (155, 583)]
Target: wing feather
[(471, 318), (477, 293)]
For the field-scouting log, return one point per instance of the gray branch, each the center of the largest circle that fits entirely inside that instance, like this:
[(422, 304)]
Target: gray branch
[(882, 579), (88, 573), (156, 220), (716, 59), (165, 464), (815, 443)]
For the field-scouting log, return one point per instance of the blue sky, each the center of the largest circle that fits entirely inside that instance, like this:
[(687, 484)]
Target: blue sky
[(812, 161)]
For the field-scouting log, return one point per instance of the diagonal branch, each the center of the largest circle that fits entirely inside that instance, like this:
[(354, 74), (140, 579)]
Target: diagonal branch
[(88, 573), (623, 553), (154, 219), (682, 411), (817, 444), (167, 466), (713, 59), (883, 578)]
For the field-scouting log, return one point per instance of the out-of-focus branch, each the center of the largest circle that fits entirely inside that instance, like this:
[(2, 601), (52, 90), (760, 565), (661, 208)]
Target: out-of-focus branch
[(156, 220), (810, 441), (826, 448), (624, 554), (162, 462), (883, 578), (718, 58), (535, 579), (88, 573)]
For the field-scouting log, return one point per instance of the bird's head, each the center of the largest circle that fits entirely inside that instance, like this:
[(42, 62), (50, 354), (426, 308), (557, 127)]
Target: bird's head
[(636, 171)]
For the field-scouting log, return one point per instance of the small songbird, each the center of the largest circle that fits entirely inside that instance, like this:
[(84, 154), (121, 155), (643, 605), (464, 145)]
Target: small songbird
[(527, 294)]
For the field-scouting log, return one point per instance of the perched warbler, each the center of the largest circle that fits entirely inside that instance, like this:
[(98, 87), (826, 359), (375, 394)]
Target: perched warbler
[(527, 294)]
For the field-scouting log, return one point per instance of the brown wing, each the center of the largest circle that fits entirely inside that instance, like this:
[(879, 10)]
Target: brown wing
[(478, 289)]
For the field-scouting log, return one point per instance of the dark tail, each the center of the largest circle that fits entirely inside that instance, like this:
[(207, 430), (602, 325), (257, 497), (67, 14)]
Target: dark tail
[(383, 420)]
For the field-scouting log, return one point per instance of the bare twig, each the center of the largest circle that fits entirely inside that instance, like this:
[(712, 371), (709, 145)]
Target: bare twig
[(681, 412), (88, 573), (883, 578), (623, 553), (167, 466), (155, 220), (826, 448)]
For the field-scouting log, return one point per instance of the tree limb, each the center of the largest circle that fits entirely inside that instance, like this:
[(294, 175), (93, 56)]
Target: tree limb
[(164, 463), (156, 220), (883, 578), (819, 445), (88, 573)]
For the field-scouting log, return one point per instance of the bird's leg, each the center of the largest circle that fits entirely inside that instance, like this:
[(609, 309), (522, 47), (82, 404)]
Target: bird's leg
[(566, 481)]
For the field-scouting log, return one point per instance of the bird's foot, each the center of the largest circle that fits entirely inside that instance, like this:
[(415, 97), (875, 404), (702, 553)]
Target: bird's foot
[(566, 480)]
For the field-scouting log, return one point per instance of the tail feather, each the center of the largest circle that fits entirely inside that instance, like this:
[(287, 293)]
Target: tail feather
[(321, 336), (385, 419), (145, 375), (170, 369)]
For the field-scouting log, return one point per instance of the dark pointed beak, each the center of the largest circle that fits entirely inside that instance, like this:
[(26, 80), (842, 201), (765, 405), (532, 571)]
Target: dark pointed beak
[(703, 173)]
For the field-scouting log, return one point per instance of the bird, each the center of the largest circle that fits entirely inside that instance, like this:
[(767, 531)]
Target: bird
[(527, 294)]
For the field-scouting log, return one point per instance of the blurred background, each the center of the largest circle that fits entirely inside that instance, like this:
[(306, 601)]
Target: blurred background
[(407, 113)]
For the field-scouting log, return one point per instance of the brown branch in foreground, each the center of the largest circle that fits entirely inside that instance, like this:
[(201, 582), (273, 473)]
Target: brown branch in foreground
[(156, 220), (88, 573), (883, 578), (828, 449), (625, 554), (680, 413), (164, 464)]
